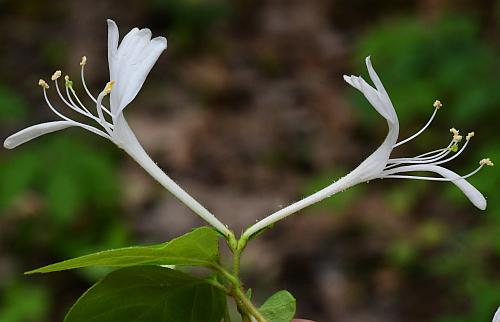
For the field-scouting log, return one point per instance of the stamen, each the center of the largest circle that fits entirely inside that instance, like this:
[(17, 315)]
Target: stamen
[(85, 126), (54, 109), (430, 160), (109, 87), (422, 158), (43, 84), (441, 151), (426, 156), (437, 106), (105, 92), (56, 75), (456, 134), (69, 87), (456, 154), (74, 107), (487, 162), (83, 61), (82, 75)]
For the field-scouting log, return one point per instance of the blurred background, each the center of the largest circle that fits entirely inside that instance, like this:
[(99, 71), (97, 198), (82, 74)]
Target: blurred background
[(248, 111)]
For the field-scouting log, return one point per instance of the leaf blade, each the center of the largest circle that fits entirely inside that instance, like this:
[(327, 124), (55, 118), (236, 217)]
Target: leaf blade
[(149, 293), (196, 248), (280, 307)]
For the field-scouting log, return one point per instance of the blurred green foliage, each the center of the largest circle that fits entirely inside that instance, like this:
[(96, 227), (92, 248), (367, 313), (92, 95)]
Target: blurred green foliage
[(61, 193), (190, 21), (420, 61), (12, 107), (24, 303)]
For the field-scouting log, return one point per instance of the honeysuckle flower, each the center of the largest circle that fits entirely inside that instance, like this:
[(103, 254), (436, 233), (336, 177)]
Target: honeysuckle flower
[(129, 64), (379, 165)]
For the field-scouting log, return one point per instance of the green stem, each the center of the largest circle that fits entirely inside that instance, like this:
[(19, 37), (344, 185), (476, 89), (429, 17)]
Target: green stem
[(246, 305), (235, 288)]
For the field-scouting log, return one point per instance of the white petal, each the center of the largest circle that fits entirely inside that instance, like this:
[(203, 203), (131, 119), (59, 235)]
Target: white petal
[(130, 63), (375, 79), (496, 318), (369, 92), (384, 97), (137, 73), (117, 67), (35, 131), (113, 36), (469, 190)]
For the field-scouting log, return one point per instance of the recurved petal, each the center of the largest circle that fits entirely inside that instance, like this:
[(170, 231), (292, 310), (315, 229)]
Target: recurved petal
[(374, 77), (469, 190), (381, 90), (35, 131), (369, 92)]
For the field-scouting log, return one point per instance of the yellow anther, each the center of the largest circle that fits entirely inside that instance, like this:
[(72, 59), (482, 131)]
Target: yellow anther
[(469, 136), (108, 87), (437, 104), (84, 61), (56, 75), (456, 135), (43, 84), (487, 162)]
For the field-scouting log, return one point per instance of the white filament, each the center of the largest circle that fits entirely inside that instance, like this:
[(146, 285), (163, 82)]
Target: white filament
[(85, 126), (82, 74), (419, 132)]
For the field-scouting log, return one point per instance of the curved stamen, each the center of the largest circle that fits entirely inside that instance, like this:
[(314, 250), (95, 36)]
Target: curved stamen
[(69, 88), (82, 75), (53, 108), (424, 156), (429, 160), (419, 132), (85, 126), (105, 92), (74, 107), (455, 155)]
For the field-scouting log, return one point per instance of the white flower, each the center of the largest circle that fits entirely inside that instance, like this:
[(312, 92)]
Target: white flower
[(129, 64), (496, 318), (379, 165)]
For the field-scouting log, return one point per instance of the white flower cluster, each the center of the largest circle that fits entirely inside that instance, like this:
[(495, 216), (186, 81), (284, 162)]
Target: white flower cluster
[(131, 61)]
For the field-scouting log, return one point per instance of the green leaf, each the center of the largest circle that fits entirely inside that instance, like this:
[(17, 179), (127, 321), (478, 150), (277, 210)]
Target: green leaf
[(280, 307), (149, 293), (199, 247)]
